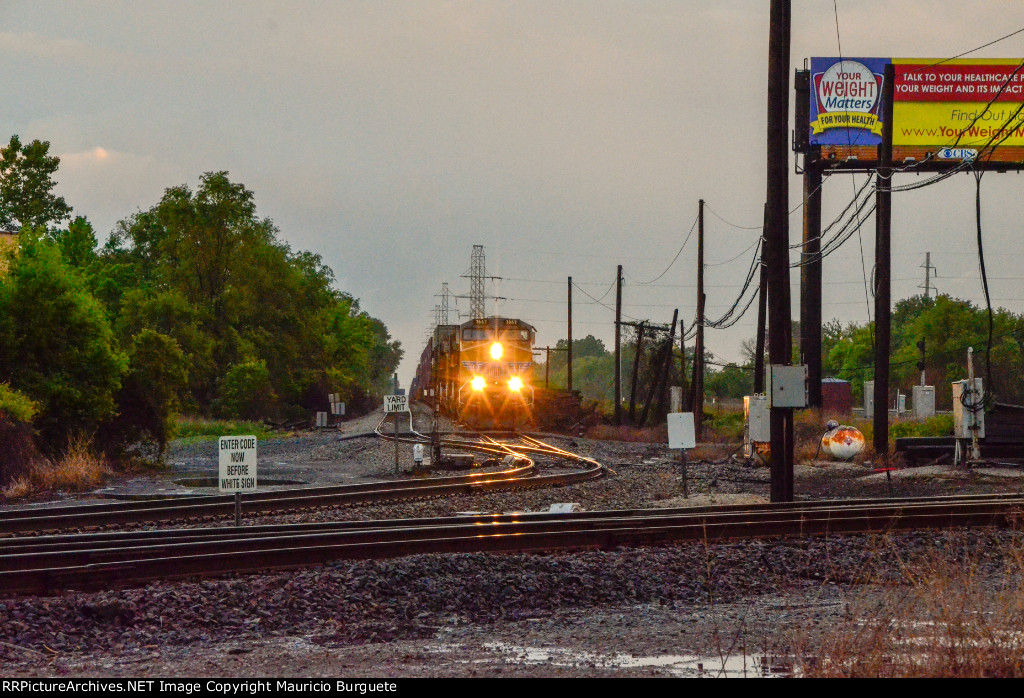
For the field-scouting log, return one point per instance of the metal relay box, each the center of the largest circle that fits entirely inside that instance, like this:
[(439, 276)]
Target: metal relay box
[(787, 386), (923, 398), (756, 422)]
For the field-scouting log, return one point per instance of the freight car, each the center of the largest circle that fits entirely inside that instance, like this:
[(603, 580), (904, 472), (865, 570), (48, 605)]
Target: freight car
[(479, 372)]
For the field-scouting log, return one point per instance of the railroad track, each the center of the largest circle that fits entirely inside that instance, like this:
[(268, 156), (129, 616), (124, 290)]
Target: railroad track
[(520, 471), (46, 564)]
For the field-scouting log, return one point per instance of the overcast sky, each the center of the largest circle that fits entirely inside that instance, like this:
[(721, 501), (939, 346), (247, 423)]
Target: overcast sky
[(567, 137)]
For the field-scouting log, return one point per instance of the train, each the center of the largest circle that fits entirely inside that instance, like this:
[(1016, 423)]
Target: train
[(479, 372)]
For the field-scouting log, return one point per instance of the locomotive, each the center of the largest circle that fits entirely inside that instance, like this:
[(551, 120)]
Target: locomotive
[(479, 372)]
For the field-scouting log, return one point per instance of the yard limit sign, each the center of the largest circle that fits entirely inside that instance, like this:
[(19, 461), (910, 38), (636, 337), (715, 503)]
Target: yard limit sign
[(236, 457), (393, 405)]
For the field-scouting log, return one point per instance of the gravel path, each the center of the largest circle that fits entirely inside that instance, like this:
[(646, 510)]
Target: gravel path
[(631, 612)]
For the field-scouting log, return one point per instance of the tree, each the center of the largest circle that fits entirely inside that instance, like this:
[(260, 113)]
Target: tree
[(56, 344), (203, 268), (26, 185), (149, 394)]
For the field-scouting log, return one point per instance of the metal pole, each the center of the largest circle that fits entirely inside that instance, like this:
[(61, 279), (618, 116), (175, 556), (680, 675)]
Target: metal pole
[(618, 345), (883, 222), (396, 443), (547, 366), (777, 236), (568, 379), (682, 462)]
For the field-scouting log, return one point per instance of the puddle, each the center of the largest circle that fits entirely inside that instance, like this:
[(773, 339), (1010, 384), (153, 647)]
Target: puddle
[(683, 665)]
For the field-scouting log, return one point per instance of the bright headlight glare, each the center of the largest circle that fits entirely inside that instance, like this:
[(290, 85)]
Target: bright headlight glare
[(478, 383), (515, 384), (496, 351)]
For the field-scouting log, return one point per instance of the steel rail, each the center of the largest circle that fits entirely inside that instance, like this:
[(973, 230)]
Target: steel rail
[(44, 571), (522, 474), (117, 538)]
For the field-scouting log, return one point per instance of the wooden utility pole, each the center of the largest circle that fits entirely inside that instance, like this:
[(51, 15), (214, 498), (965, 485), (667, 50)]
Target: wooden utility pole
[(883, 270), (762, 305), (618, 345), (660, 364), (810, 284), (636, 372), (568, 376), (682, 364), (698, 351), (777, 240), (667, 365)]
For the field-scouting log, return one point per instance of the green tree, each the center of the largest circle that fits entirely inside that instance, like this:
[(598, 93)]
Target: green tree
[(56, 344), (26, 185), (77, 243), (149, 394)]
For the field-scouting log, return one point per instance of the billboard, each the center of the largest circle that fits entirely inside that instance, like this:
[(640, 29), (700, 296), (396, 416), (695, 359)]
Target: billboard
[(961, 109)]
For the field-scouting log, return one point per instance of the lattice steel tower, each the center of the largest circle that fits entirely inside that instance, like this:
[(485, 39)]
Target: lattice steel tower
[(444, 304), (477, 272)]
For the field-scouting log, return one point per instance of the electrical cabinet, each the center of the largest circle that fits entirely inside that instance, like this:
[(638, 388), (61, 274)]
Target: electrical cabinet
[(787, 386), (968, 409), (923, 397)]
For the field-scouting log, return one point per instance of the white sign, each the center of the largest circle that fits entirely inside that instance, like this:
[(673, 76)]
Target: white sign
[(681, 433), (396, 403), (236, 456)]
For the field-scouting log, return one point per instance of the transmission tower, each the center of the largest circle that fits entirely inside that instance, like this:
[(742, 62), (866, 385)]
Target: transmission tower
[(928, 269), (477, 272), (444, 304)]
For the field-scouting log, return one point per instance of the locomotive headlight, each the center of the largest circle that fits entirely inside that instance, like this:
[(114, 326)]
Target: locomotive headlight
[(496, 351), (515, 384), (478, 383)]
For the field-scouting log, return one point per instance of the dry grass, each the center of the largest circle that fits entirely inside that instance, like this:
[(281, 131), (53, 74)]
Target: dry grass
[(77, 470), (609, 432), (955, 612)]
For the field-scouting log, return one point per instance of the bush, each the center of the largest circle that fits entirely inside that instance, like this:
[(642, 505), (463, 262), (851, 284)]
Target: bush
[(939, 425), (77, 470), (16, 405), (246, 392), (149, 394)]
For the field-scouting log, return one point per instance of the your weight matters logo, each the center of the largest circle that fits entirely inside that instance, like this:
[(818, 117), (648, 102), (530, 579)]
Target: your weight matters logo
[(846, 100)]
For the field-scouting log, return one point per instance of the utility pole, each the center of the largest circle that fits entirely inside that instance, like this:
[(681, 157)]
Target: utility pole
[(777, 240), (636, 372), (762, 305), (883, 271), (698, 352), (810, 257), (667, 365), (682, 363), (618, 345), (568, 379)]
